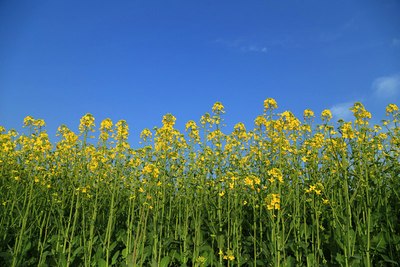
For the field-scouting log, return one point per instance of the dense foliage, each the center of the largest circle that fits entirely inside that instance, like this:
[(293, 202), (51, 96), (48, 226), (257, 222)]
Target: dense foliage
[(287, 193)]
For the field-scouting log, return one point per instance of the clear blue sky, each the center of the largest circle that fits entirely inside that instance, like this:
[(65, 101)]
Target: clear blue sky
[(138, 60)]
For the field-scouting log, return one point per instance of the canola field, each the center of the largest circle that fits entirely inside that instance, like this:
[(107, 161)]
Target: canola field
[(287, 192)]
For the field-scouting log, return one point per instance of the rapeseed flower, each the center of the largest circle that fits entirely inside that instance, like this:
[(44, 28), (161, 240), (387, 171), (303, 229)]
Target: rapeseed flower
[(326, 115), (122, 130), (146, 134), (105, 129), (86, 123), (28, 121), (273, 202), (347, 131), (308, 113), (229, 256), (275, 174), (361, 114), (193, 130), (218, 108), (270, 103), (391, 108)]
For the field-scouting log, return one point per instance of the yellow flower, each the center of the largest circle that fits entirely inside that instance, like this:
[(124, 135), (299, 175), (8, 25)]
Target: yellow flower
[(273, 202), (86, 123), (105, 129), (391, 108), (231, 185), (308, 113), (317, 188), (28, 121), (382, 136), (168, 121), (270, 103), (347, 130), (260, 121), (193, 130), (361, 114), (206, 119), (289, 121), (122, 130), (240, 131), (39, 123), (218, 108), (145, 134), (275, 173), (248, 181), (151, 169), (229, 256), (106, 125), (326, 115)]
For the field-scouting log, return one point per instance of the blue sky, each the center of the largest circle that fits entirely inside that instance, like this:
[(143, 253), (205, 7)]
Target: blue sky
[(138, 60)]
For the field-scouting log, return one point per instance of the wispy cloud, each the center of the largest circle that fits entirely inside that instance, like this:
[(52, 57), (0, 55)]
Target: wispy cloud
[(243, 46), (327, 37), (342, 111), (396, 42), (254, 48), (387, 86), (383, 89), (339, 32)]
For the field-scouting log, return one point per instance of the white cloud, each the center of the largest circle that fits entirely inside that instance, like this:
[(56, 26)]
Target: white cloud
[(242, 45), (387, 86), (396, 42), (342, 111), (254, 48)]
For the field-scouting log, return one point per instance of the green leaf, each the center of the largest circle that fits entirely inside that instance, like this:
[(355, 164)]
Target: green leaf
[(378, 242), (101, 262), (113, 245), (28, 245), (115, 257), (289, 262), (355, 260), (165, 261), (206, 248), (124, 253), (386, 259), (340, 259), (63, 260), (76, 251), (310, 259), (176, 255), (221, 240)]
